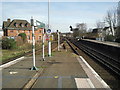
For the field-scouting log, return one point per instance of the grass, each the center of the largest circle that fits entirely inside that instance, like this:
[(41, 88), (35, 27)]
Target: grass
[(7, 54)]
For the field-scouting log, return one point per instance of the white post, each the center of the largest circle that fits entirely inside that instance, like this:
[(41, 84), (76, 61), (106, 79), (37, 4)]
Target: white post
[(58, 40), (43, 39), (33, 45), (49, 42), (49, 49)]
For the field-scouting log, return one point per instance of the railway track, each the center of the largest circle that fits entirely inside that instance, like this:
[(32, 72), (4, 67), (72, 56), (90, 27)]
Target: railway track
[(111, 63)]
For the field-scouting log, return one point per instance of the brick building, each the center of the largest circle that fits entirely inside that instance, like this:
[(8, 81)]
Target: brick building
[(15, 27)]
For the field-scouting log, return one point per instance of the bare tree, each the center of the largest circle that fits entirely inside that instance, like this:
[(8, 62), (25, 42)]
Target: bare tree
[(118, 23), (111, 19), (114, 20), (82, 27), (90, 30), (100, 24), (118, 14)]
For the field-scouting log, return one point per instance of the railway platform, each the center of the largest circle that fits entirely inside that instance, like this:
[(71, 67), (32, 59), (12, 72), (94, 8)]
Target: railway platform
[(63, 69), (114, 44)]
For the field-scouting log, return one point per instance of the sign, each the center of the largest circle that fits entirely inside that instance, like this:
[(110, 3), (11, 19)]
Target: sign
[(41, 25), (51, 38), (47, 37), (49, 31), (32, 22)]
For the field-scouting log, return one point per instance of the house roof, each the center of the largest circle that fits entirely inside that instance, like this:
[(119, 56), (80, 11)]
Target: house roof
[(105, 28), (96, 30), (75, 29), (17, 24)]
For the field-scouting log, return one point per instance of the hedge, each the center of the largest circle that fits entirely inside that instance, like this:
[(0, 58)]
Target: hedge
[(8, 43)]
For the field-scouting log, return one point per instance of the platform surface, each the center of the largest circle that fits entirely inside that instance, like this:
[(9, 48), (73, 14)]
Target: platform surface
[(63, 70)]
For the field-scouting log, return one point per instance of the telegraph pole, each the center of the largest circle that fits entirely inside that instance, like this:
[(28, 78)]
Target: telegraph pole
[(33, 44)]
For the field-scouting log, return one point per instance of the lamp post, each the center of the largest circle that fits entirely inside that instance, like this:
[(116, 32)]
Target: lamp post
[(33, 44), (49, 31)]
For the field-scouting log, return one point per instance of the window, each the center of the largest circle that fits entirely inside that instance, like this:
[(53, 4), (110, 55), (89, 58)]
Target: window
[(26, 25), (28, 37), (21, 24), (40, 31), (11, 31), (17, 31), (39, 37), (15, 24), (29, 31)]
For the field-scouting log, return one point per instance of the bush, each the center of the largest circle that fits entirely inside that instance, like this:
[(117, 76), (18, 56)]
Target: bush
[(109, 38), (24, 37), (117, 40), (8, 43)]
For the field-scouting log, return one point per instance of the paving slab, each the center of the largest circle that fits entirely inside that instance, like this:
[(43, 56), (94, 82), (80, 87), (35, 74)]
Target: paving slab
[(61, 70), (17, 75)]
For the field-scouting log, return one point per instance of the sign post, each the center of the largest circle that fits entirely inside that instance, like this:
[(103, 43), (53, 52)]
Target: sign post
[(49, 31), (49, 42), (43, 45), (49, 52), (42, 25), (33, 45)]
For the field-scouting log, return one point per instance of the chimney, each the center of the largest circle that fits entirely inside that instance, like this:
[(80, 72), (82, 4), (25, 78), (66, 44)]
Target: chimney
[(8, 20)]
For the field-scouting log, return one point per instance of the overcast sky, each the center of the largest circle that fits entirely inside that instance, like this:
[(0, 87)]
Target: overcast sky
[(62, 14)]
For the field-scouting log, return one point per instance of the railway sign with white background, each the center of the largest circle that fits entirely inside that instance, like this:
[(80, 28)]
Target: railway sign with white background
[(49, 31)]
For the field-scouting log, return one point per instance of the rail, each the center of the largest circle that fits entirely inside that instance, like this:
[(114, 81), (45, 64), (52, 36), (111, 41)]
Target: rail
[(112, 63)]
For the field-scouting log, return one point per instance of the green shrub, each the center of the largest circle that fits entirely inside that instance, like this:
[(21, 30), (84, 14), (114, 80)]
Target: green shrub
[(117, 40), (8, 43), (109, 38), (24, 37)]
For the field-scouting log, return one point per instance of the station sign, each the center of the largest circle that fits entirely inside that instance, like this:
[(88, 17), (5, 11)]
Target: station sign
[(49, 31), (49, 37)]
